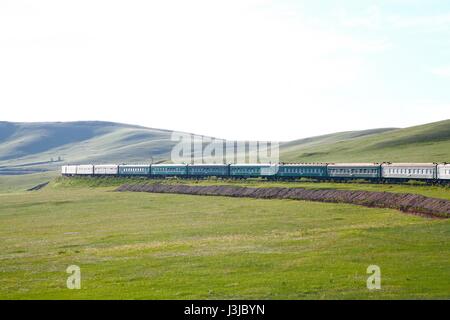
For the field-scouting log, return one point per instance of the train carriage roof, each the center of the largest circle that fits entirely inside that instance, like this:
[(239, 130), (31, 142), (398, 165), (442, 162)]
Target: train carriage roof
[(254, 164), (409, 164), (208, 165), (312, 164), (134, 165), (367, 164), (169, 165)]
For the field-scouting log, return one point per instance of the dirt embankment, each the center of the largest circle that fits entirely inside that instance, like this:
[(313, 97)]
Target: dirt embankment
[(39, 186), (410, 203)]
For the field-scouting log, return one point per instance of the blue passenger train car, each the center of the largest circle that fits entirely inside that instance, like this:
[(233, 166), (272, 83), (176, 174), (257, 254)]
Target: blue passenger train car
[(134, 170), (299, 170), (253, 170), (168, 170), (208, 170)]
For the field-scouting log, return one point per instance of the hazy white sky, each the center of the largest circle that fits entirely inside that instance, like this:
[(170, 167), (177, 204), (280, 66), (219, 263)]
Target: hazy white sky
[(236, 69)]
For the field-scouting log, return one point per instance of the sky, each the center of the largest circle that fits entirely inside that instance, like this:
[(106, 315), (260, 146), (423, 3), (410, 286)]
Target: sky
[(234, 69)]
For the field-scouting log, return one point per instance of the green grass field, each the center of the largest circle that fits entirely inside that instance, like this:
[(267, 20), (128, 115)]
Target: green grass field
[(19, 183), (161, 246)]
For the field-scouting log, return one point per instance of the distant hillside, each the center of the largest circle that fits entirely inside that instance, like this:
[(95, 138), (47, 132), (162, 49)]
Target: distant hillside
[(425, 143), (25, 146), (35, 147)]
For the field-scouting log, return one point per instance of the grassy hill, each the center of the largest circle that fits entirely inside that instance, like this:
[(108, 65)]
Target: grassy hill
[(37, 147), (425, 143), (31, 146)]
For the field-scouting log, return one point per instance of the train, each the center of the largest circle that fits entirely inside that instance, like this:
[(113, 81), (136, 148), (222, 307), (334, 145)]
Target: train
[(374, 172)]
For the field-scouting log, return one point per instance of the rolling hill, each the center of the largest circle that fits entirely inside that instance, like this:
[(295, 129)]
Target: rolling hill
[(424, 143), (33, 147), (36, 147)]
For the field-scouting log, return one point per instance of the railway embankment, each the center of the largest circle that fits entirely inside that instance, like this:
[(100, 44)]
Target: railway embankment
[(405, 202)]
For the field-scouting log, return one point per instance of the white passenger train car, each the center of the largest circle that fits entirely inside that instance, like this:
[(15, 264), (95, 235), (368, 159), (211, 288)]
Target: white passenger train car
[(106, 169), (85, 169), (443, 171), (409, 171), (69, 170)]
